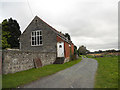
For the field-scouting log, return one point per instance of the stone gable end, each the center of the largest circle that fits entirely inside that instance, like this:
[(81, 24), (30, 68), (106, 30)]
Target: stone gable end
[(48, 35)]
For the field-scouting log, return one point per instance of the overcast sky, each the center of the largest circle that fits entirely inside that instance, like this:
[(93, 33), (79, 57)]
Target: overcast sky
[(92, 23)]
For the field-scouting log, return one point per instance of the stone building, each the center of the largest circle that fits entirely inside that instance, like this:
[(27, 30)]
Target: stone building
[(40, 45), (39, 36)]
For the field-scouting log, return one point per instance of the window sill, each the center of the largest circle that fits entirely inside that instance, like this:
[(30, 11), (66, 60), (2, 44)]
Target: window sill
[(37, 45)]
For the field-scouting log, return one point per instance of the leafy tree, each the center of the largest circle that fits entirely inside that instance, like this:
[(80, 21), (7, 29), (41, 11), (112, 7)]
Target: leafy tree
[(68, 36), (82, 50), (0, 36), (3, 38), (87, 51), (13, 32), (75, 50), (100, 51)]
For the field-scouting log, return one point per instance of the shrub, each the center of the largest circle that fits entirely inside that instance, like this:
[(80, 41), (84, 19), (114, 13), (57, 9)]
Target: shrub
[(73, 57)]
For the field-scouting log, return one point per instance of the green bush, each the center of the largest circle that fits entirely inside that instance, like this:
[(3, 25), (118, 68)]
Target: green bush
[(73, 57)]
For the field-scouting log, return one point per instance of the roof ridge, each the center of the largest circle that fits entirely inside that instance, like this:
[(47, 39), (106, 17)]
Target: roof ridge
[(51, 26), (61, 34)]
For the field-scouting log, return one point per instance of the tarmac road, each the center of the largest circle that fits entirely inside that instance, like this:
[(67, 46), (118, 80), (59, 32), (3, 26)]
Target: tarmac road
[(80, 75)]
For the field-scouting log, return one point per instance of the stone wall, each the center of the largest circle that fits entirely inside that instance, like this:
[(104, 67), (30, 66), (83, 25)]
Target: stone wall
[(15, 61)]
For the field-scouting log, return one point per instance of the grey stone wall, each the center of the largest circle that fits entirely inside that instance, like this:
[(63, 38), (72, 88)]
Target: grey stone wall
[(15, 61), (48, 35)]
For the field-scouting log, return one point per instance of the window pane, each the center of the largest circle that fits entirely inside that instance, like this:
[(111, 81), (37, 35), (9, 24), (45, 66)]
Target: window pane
[(40, 37), (40, 32), (35, 40), (32, 42), (37, 32), (32, 33), (60, 46), (40, 42)]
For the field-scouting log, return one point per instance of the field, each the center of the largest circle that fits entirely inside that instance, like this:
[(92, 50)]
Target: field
[(24, 77), (107, 73), (119, 72)]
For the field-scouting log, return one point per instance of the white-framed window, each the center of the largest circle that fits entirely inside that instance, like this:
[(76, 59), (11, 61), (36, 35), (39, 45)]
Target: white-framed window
[(36, 38)]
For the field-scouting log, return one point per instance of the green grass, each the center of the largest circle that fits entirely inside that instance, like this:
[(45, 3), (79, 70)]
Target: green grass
[(83, 56), (89, 56), (107, 73), (24, 77), (119, 72), (0, 81)]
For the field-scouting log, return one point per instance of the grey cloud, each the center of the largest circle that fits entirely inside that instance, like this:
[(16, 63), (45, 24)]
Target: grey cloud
[(92, 23)]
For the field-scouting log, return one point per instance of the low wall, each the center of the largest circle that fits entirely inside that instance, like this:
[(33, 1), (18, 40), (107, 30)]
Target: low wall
[(15, 61)]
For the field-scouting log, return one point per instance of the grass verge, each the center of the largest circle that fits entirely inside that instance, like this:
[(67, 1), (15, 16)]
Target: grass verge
[(24, 77), (107, 73)]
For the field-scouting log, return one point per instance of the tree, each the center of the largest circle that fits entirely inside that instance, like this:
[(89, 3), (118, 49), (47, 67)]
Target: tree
[(82, 50), (100, 51), (68, 36), (87, 51), (13, 32), (0, 36), (3, 38), (75, 50)]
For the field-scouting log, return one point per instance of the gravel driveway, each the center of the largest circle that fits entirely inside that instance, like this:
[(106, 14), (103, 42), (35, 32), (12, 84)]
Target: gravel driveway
[(80, 75)]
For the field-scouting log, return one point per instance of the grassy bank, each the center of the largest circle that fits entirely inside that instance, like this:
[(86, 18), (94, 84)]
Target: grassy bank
[(24, 77), (107, 73), (119, 72)]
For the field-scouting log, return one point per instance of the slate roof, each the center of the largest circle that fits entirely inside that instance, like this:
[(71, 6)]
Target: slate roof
[(58, 33)]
